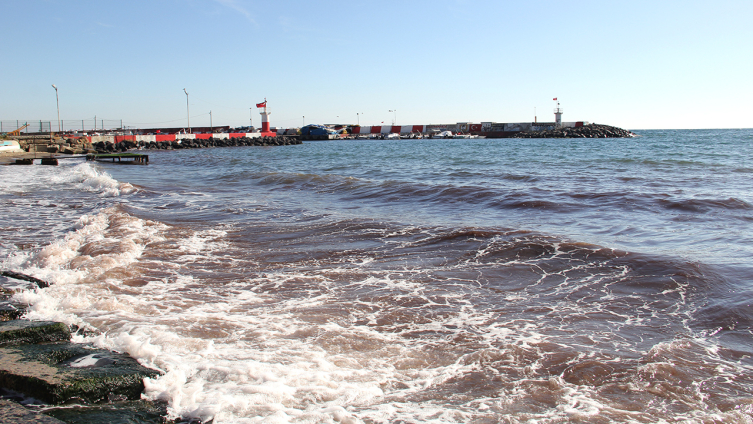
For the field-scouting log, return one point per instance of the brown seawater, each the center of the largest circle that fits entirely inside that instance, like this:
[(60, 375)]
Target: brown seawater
[(517, 281)]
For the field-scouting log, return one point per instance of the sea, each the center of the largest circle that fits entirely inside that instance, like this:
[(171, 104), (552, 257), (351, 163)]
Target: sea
[(408, 281)]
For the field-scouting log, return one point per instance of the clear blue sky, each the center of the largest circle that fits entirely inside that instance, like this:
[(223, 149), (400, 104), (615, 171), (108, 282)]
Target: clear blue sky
[(633, 64)]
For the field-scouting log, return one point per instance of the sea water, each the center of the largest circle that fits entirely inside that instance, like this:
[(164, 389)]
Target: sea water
[(363, 281)]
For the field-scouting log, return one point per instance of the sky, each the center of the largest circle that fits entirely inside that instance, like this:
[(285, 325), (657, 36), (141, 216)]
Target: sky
[(632, 64)]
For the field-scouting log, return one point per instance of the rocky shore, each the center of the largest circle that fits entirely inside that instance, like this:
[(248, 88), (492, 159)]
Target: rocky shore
[(44, 378), (586, 131)]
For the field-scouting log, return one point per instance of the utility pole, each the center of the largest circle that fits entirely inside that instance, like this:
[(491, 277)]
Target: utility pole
[(57, 100), (188, 113)]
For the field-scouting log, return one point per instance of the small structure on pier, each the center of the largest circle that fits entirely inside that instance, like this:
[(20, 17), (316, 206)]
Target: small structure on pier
[(265, 131), (557, 115)]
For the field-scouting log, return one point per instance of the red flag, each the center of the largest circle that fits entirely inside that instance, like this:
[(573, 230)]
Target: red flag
[(554, 98), (263, 104)]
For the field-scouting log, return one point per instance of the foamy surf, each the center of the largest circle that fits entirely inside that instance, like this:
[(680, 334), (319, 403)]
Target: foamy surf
[(92, 179), (366, 283), (351, 338)]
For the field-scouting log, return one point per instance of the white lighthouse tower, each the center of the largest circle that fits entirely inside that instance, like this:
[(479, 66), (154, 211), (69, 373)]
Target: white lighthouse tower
[(265, 132), (557, 114)]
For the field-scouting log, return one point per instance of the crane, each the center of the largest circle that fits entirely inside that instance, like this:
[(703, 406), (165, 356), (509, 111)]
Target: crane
[(17, 131)]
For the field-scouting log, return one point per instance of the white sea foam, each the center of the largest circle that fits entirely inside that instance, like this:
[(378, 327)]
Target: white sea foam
[(86, 361), (92, 179), (101, 243), (245, 350), (83, 176)]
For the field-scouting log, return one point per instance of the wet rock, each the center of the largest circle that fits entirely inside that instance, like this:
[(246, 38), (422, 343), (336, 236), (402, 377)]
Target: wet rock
[(19, 276), (16, 332), (9, 310), (58, 373), (129, 412), (13, 413), (37, 362)]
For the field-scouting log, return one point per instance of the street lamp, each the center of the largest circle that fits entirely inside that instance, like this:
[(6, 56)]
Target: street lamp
[(188, 113), (358, 116), (395, 118), (57, 100)]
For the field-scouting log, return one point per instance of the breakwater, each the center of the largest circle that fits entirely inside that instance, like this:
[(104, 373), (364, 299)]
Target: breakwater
[(586, 131), (193, 143), (113, 143)]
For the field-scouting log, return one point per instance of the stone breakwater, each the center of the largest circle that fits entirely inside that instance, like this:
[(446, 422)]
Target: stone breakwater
[(586, 131), (85, 145), (122, 146)]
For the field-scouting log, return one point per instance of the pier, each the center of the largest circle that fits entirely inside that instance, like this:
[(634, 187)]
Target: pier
[(124, 158)]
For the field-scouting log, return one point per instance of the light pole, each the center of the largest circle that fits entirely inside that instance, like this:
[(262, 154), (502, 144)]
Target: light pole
[(395, 118), (188, 113), (358, 116), (303, 121), (211, 127), (57, 100)]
